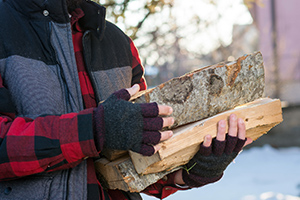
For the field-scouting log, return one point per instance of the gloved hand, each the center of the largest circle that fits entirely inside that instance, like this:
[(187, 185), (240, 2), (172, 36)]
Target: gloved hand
[(123, 125), (209, 163)]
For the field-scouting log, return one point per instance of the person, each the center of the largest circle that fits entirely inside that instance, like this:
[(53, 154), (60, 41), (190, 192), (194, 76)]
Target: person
[(62, 101)]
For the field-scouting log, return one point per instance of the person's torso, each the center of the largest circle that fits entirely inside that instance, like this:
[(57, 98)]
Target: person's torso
[(38, 67)]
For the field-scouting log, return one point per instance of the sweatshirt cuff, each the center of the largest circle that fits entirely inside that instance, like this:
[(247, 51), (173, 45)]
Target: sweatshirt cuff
[(77, 141), (99, 127), (194, 180)]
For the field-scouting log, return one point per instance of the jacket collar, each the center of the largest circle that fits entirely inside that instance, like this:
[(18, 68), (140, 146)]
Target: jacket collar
[(45, 10), (94, 18), (56, 10)]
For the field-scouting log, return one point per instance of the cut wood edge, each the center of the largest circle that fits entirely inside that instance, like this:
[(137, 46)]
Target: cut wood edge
[(171, 153), (182, 159)]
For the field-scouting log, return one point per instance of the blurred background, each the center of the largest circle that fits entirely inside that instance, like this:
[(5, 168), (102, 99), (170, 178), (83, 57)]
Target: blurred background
[(178, 36)]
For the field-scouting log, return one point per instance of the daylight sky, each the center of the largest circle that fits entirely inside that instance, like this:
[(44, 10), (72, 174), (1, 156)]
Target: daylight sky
[(229, 12)]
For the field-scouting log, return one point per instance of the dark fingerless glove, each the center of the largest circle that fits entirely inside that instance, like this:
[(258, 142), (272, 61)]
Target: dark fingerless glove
[(123, 125), (208, 165)]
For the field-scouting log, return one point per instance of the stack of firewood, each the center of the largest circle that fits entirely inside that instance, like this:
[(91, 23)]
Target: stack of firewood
[(199, 100)]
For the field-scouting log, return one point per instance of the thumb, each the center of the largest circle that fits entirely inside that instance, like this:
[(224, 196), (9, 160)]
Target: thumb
[(133, 90)]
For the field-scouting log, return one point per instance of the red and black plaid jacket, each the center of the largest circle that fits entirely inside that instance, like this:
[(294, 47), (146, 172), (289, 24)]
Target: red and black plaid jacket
[(69, 137)]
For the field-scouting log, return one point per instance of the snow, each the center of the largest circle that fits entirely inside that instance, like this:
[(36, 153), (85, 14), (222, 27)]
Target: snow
[(258, 173)]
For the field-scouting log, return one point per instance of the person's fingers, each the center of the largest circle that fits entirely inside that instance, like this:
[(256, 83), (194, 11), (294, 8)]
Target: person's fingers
[(231, 142), (157, 123), (166, 135), (149, 109), (154, 124), (122, 94), (206, 146), (148, 150), (165, 110), (151, 137), (156, 148), (239, 145), (153, 110), (221, 134), (154, 137), (241, 129), (218, 147), (248, 141), (207, 140), (168, 121), (233, 126), (134, 89)]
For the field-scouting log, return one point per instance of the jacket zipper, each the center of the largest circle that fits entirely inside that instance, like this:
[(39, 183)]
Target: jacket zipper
[(88, 67), (62, 75)]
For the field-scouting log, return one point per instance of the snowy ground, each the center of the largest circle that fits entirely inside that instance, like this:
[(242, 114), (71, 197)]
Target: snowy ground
[(260, 173)]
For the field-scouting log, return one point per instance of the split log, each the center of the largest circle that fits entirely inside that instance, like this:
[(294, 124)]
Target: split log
[(259, 116), (207, 91), (120, 174), (113, 154), (196, 96), (210, 90)]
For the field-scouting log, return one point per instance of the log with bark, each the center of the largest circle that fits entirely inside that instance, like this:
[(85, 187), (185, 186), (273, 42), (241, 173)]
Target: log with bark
[(207, 91), (120, 174), (259, 116), (210, 90), (137, 173), (197, 98)]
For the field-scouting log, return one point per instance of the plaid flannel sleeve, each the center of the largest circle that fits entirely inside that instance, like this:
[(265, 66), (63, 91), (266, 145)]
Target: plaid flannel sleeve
[(47, 143), (137, 68), (164, 187)]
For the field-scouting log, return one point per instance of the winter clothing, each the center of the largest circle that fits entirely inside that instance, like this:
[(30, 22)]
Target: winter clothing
[(47, 123), (53, 75), (208, 165), (140, 120)]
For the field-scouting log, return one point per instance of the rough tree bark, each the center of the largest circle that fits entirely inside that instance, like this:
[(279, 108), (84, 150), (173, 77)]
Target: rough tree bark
[(210, 90), (120, 174), (195, 96), (137, 173)]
